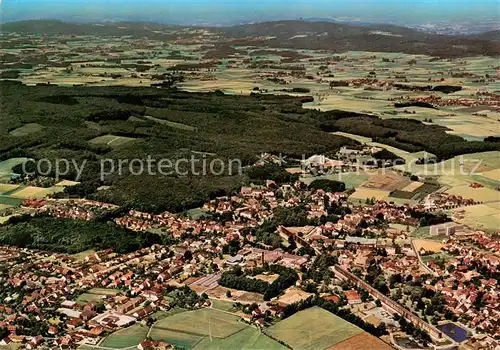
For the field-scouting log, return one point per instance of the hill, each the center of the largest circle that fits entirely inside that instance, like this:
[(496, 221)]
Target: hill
[(288, 34)]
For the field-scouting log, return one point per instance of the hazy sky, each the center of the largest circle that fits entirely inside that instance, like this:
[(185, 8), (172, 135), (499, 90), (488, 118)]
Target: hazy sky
[(235, 11)]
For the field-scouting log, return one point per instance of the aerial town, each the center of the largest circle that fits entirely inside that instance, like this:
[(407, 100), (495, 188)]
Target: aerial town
[(259, 175), (360, 261)]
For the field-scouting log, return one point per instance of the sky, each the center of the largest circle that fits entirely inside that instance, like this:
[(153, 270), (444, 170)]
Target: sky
[(222, 12)]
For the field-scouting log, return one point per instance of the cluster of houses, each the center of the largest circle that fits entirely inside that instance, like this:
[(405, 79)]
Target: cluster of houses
[(55, 287)]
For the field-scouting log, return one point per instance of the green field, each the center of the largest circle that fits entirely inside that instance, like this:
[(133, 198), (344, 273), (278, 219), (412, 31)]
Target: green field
[(313, 328), (249, 338), (222, 305), (179, 339), (131, 336), (423, 233), (201, 323), (211, 329), (351, 180), (10, 201), (444, 256), (26, 129)]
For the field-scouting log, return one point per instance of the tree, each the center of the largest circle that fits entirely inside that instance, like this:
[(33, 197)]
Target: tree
[(228, 293)]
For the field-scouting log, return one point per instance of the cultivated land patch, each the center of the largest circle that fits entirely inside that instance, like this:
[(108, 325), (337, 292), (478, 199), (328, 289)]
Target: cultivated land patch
[(5, 206), (492, 174), (32, 192), (389, 181), (5, 188), (412, 186), (362, 341), (65, 183), (428, 245), (127, 337), (293, 295), (483, 217), (313, 328), (364, 193), (203, 322), (478, 194), (26, 129)]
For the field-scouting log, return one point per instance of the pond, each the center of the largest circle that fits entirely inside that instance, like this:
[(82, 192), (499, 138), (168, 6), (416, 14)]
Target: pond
[(455, 332)]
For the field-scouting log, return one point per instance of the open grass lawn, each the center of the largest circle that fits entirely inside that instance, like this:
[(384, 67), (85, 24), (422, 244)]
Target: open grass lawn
[(313, 328), (130, 336), (95, 294), (202, 322), (443, 255), (249, 338), (26, 129)]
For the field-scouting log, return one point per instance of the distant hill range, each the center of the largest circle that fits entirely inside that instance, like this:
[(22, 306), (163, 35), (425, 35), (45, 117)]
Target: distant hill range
[(319, 35)]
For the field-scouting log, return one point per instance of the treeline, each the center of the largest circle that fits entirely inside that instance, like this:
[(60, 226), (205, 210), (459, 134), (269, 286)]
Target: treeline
[(260, 174), (72, 236), (327, 185), (446, 89)]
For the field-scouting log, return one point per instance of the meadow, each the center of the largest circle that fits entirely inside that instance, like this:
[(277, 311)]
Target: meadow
[(314, 328), (95, 294), (201, 322), (211, 329), (125, 338)]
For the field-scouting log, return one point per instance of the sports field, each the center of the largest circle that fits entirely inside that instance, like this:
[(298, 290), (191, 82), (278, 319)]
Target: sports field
[(248, 338), (127, 337), (313, 328), (203, 322), (211, 329)]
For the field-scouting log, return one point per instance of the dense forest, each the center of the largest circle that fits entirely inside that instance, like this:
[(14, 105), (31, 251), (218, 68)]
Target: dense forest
[(161, 124), (72, 236), (98, 126)]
